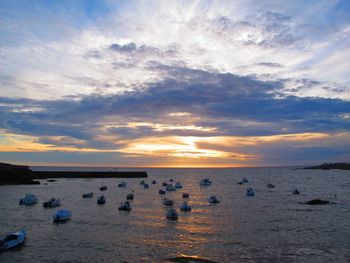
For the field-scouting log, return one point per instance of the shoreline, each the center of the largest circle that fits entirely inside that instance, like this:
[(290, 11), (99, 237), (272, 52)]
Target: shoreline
[(20, 174)]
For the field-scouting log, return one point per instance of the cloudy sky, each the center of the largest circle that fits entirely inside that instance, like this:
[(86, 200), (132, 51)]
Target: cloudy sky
[(174, 83)]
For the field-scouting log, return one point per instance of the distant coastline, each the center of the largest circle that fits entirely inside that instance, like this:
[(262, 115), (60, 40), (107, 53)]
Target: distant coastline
[(21, 174), (330, 166)]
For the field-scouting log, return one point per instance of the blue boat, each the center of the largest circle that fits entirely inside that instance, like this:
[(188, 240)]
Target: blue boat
[(28, 199), (12, 240), (62, 215), (296, 191), (250, 192)]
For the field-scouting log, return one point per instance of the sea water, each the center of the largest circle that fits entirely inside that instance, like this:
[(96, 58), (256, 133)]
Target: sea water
[(272, 226)]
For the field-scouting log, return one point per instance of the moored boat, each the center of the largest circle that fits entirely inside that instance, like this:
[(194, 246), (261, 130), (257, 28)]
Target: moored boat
[(170, 188), (205, 182), (269, 185), (213, 200), (101, 200), (88, 195), (185, 207), (185, 195), (122, 184), (28, 199), (154, 182), (124, 206), (161, 192), (12, 240), (296, 191), (172, 214), (53, 202), (130, 196), (62, 215), (250, 192), (168, 202), (103, 188), (178, 185), (244, 180)]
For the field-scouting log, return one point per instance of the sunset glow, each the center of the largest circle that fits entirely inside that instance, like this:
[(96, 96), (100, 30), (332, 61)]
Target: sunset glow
[(177, 84)]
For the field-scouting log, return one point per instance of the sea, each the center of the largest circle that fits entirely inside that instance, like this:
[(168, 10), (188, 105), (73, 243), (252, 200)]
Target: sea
[(273, 226)]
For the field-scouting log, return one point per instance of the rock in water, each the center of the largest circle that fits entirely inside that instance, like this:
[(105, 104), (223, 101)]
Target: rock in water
[(317, 202)]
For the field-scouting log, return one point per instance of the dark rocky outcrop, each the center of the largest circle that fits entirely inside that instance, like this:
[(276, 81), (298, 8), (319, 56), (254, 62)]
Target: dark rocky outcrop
[(317, 202), (20, 174), (329, 166), (16, 174)]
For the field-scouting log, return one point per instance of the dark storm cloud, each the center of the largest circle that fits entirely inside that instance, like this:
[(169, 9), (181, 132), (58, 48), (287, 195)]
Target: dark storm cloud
[(231, 104)]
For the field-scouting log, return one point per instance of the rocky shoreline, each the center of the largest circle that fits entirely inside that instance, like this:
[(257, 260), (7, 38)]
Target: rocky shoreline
[(21, 174), (329, 166)]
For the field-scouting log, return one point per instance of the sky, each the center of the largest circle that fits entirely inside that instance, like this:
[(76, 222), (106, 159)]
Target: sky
[(174, 83)]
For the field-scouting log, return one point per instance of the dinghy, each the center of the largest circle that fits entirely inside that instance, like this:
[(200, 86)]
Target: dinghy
[(250, 192), (172, 214), (167, 202), (28, 199), (178, 185), (88, 195), (101, 200), (62, 215), (130, 196), (12, 240), (213, 200), (124, 206), (185, 207), (122, 184), (53, 202), (205, 182), (170, 188), (161, 192)]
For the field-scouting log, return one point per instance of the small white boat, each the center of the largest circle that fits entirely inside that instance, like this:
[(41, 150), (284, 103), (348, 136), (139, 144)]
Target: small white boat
[(122, 184), (213, 200), (172, 214), (101, 200), (270, 185), (88, 195), (168, 202), (296, 191), (124, 206), (62, 215), (130, 196), (170, 188), (185, 207), (12, 240), (205, 182), (244, 180), (250, 192), (185, 195), (178, 185), (28, 199), (53, 202), (161, 192)]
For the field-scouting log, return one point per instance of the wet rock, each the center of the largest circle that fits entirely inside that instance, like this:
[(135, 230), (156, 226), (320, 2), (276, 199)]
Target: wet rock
[(317, 202), (189, 259)]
